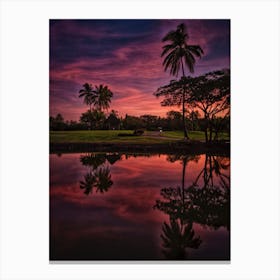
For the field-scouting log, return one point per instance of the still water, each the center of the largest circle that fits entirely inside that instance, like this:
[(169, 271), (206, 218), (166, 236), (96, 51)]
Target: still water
[(139, 207)]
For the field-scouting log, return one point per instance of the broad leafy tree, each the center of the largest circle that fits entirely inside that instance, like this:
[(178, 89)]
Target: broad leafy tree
[(209, 93), (174, 119), (94, 119), (57, 122), (113, 121)]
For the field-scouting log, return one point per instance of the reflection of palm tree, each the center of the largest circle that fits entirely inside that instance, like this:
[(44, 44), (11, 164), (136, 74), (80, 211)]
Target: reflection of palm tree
[(103, 180), (88, 183), (206, 205), (100, 179), (176, 238), (179, 235), (178, 54), (184, 159)]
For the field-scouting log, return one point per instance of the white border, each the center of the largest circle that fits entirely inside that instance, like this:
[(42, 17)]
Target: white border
[(255, 138)]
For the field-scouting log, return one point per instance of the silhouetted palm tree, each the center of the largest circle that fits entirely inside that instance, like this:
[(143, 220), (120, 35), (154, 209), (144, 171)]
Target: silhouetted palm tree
[(179, 54), (88, 94), (103, 97)]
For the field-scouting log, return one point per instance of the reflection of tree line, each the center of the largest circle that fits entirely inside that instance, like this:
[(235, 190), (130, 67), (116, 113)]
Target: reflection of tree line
[(99, 176), (206, 201), (207, 204)]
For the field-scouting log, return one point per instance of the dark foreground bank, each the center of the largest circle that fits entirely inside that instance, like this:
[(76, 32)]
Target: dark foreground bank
[(193, 147)]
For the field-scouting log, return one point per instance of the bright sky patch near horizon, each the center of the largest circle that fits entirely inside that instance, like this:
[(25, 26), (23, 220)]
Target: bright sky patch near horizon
[(125, 55)]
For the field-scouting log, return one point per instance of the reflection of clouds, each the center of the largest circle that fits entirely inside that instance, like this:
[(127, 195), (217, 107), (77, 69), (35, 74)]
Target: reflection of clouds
[(65, 170), (213, 241), (121, 222), (136, 183)]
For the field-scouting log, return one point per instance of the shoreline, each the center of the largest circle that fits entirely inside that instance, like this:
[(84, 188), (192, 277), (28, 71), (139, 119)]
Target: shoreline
[(193, 147)]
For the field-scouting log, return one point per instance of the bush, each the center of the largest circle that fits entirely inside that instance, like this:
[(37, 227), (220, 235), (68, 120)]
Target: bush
[(138, 132)]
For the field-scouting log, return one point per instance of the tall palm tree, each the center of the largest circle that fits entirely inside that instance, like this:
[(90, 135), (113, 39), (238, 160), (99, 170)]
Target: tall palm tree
[(103, 97), (178, 55), (88, 94)]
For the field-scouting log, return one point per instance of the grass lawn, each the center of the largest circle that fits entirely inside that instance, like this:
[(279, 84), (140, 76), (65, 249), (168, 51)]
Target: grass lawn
[(111, 136), (194, 135)]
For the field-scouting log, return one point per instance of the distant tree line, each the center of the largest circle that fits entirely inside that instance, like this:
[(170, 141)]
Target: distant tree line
[(172, 121)]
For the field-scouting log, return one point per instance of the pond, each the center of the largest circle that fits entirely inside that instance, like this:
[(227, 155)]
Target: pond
[(112, 206)]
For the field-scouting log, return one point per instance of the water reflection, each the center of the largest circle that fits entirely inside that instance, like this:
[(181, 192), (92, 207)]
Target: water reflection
[(99, 176), (205, 202), (151, 207), (176, 237), (211, 199)]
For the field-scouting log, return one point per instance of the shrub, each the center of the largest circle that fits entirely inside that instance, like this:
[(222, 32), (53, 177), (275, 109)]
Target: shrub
[(138, 132)]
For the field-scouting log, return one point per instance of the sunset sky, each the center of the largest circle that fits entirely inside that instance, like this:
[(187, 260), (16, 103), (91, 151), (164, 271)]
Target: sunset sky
[(125, 55)]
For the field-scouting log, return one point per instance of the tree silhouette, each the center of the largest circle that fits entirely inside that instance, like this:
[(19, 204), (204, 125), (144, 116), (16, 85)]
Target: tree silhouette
[(93, 118), (113, 121), (99, 176), (103, 97), (103, 180), (100, 179), (207, 204), (178, 55), (93, 160), (210, 93), (194, 116), (212, 198), (176, 238), (88, 183), (88, 94), (179, 235), (112, 158)]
